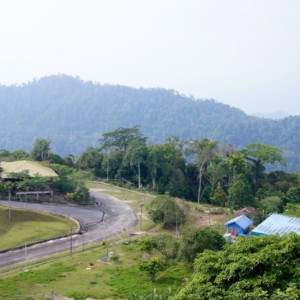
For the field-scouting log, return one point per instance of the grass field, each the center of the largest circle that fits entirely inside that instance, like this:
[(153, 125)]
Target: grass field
[(72, 277), (28, 227)]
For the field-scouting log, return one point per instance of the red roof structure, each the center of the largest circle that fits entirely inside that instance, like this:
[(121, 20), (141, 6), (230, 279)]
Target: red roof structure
[(245, 211)]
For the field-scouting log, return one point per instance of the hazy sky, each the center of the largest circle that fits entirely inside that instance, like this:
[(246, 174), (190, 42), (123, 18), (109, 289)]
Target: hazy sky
[(245, 53)]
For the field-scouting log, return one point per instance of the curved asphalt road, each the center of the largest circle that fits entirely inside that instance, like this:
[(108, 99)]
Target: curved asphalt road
[(110, 217)]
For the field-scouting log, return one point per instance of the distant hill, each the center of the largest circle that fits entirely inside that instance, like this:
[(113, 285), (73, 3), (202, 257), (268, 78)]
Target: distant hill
[(73, 114)]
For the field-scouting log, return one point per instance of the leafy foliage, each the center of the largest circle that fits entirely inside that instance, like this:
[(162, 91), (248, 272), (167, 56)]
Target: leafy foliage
[(166, 211), (196, 240), (240, 193), (152, 266), (204, 150), (147, 243), (253, 268), (41, 150), (121, 138), (92, 160), (292, 210)]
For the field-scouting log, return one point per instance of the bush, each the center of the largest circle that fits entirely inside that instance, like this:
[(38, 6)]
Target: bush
[(82, 194), (167, 245), (152, 267), (166, 211), (196, 240), (147, 243)]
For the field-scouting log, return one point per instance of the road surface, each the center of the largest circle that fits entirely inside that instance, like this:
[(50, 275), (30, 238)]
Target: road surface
[(109, 218)]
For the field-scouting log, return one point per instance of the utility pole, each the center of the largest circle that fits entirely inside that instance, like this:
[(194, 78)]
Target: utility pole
[(71, 243), (39, 231), (9, 208), (83, 242), (25, 267), (107, 170), (177, 233), (141, 217), (9, 187)]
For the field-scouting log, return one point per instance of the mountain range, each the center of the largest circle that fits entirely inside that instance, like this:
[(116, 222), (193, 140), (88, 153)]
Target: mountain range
[(73, 114)]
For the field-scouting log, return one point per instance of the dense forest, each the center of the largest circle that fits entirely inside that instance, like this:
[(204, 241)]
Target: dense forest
[(73, 115), (198, 170)]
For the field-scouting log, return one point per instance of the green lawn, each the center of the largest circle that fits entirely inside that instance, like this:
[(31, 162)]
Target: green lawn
[(71, 277), (28, 227)]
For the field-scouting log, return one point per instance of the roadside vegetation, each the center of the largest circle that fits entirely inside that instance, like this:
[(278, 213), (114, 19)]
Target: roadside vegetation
[(90, 275)]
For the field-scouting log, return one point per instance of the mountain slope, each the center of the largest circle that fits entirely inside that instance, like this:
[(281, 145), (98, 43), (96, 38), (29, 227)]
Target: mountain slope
[(73, 114)]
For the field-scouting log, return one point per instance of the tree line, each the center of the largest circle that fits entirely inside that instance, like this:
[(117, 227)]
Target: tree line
[(197, 170)]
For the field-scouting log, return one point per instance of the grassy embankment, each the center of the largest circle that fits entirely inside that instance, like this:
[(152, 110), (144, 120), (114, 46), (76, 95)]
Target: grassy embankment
[(29, 227)]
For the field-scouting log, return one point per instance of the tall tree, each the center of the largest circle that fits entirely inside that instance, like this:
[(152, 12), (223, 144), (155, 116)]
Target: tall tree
[(240, 193), (173, 152), (257, 155), (121, 138), (157, 164), (111, 163), (91, 159), (204, 151), (41, 150), (237, 165), (135, 156), (261, 153)]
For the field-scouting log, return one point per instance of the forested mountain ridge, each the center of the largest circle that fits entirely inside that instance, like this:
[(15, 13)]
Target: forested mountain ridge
[(73, 114)]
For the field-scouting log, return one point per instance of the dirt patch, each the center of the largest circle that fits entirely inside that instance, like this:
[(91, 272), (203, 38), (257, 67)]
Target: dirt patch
[(206, 219), (129, 201)]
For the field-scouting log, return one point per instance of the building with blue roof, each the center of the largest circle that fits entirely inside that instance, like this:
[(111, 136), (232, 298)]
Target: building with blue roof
[(239, 226), (277, 224)]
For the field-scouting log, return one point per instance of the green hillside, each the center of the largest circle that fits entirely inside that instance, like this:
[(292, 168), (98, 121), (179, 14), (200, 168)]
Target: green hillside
[(73, 114)]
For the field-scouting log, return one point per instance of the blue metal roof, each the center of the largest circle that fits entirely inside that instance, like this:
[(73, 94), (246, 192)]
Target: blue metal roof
[(277, 224), (242, 221)]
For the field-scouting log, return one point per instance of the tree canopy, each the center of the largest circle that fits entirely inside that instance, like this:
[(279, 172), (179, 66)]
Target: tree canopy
[(121, 138), (41, 150), (253, 268)]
